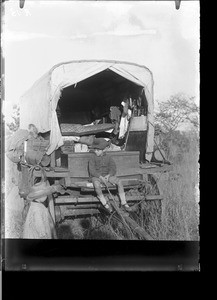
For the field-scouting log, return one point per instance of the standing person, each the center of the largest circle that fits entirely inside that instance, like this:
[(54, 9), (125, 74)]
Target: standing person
[(102, 169), (38, 221)]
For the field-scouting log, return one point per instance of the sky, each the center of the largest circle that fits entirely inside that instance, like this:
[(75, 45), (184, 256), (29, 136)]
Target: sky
[(151, 33)]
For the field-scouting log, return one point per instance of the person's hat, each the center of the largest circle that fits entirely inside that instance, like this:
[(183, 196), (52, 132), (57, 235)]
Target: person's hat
[(99, 143), (39, 191)]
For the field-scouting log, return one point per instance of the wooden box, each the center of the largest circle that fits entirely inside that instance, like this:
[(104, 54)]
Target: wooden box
[(126, 162), (137, 142)]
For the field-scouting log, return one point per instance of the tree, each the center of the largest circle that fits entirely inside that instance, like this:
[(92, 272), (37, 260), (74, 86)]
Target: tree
[(14, 125), (179, 109), (170, 115)]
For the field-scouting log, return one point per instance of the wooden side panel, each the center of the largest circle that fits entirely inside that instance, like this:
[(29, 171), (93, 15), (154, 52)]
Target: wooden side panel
[(137, 141), (78, 164), (125, 161)]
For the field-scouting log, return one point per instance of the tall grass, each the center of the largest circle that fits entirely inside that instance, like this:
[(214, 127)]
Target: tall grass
[(180, 205)]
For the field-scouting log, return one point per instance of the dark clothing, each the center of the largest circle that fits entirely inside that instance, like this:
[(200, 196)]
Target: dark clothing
[(101, 166)]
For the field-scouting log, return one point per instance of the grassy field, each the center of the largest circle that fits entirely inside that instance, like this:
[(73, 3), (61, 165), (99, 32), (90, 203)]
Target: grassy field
[(180, 215), (180, 207)]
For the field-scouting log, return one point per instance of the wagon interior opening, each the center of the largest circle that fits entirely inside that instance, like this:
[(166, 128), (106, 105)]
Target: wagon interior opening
[(84, 113), (91, 99)]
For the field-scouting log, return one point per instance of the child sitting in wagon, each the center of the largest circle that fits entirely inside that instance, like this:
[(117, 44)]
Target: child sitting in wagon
[(102, 169)]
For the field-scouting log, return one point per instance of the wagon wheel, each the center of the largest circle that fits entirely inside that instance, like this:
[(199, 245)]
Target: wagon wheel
[(151, 210)]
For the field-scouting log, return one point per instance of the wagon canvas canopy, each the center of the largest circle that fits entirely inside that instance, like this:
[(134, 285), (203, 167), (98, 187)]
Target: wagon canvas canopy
[(38, 105)]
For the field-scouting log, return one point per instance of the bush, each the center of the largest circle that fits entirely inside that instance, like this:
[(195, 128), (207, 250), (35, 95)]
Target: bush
[(176, 144), (15, 123)]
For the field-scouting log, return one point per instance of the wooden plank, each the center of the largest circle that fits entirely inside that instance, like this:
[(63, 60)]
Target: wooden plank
[(53, 161), (51, 207), (78, 212), (69, 199), (112, 188), (51, 174), (83, 206), (160, 169), (130, 172), (61, 170), (120, 173), (123, 177), (154, 197), (94, 200)]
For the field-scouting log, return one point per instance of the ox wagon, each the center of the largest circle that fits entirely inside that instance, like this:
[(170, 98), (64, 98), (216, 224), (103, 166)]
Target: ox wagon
[(77, 101)]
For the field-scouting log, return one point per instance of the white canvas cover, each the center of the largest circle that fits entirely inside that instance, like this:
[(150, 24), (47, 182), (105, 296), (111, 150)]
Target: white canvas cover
[(38, 105)]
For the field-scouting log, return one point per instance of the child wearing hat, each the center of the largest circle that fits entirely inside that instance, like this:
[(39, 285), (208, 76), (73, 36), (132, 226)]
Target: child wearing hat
[(102, 169)]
